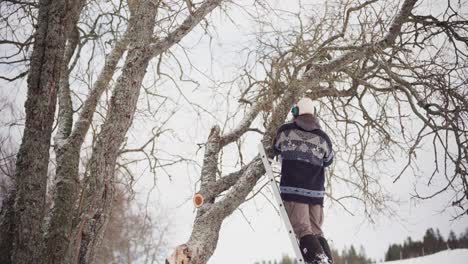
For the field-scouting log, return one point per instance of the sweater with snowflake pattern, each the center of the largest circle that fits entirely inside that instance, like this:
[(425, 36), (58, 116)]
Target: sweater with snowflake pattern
[(305, 151)]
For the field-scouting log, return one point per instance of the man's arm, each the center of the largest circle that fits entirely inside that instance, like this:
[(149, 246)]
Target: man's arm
[(276, 146), (277, 141), (329, 155)]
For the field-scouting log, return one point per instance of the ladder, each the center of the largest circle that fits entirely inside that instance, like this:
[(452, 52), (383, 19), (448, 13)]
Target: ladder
[(282, 210)]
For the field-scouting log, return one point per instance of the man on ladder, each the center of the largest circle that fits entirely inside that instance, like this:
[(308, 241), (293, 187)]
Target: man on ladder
[(306, 151)]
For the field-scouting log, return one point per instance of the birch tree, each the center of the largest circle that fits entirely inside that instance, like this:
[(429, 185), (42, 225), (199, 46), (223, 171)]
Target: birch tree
[(394, 67)]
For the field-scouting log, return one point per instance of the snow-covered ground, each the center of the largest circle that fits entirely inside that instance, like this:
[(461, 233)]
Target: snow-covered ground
[(455, 256)]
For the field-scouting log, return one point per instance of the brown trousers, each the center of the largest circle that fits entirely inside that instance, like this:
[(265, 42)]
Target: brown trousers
[(306, 219)]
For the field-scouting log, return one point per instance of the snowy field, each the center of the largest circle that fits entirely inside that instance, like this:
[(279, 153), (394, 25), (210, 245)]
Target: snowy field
[(456, 256)]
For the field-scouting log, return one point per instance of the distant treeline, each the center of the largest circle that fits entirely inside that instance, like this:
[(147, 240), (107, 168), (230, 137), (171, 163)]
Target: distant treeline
[(351, 256), (348, 256), (284, 260), (432, 242)]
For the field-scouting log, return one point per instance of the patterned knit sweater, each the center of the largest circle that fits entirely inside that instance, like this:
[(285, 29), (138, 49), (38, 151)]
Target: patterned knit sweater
[(305, 152)]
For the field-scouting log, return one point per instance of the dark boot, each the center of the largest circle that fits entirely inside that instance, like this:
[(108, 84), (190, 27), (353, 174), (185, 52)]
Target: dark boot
[(311, 250), (326, 248)]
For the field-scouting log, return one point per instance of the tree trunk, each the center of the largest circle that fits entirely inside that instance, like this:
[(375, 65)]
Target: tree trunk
[(67, 151), (204, 239), (99, 192), (67, 155), (33, 156), (6, 228)]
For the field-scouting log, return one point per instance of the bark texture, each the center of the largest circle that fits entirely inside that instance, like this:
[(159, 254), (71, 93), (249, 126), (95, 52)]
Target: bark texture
[(68, 145), (99, 191), (6, 228), (33, 155)]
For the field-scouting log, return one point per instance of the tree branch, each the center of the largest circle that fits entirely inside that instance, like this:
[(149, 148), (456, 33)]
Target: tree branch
[(187, 26)]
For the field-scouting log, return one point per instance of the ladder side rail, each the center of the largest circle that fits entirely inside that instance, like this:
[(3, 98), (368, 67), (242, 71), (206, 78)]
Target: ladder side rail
[(282, 210)]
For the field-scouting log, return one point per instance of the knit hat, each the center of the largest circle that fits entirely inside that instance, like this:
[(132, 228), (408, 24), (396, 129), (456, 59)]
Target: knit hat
[(305, 106)]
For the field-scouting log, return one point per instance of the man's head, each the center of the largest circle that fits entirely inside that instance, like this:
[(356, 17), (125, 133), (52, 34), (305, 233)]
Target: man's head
[(304, 114), (304, 106)]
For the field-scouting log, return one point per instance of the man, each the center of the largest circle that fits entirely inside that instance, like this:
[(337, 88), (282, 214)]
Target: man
[(305, 152)]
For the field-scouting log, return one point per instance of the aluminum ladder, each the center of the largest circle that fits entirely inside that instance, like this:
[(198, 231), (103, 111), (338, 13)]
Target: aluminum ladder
[(279, 201)]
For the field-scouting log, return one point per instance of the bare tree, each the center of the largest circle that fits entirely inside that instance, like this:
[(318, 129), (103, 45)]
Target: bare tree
[(98, 195), (372, 80), (152, 29), (373, 72), (18, 20), (132, 235), (33, 156)]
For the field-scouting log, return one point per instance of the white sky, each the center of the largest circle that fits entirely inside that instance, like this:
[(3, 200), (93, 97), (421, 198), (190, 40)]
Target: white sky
[(257, 233)]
